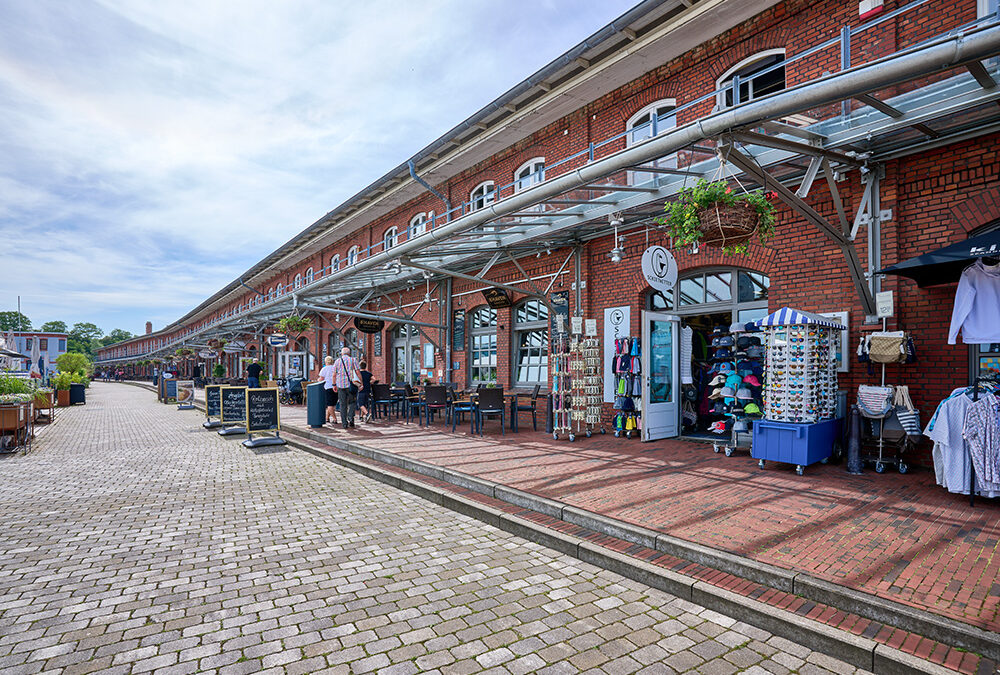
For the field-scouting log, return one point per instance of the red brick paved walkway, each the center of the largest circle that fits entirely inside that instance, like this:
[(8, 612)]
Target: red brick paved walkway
[(898, 537)]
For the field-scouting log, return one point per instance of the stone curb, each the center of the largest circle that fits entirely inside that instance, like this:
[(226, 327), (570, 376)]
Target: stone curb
[(942, 629)]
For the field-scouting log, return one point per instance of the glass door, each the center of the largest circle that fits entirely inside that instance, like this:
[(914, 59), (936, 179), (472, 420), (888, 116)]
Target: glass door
[(660, 379)]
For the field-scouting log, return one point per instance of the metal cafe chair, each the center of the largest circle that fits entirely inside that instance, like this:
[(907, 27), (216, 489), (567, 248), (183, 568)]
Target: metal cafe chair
[(458, 407), (382, 401), (532, 408), (413, 404), (435, 399), (491, 403)]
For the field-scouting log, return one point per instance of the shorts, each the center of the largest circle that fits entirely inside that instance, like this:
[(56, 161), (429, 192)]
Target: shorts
[(331, 397), (362, 399)]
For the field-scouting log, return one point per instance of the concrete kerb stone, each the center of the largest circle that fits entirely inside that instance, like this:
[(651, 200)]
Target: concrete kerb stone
[(760, 572), (908, 618), (839, 644), (830, 640)]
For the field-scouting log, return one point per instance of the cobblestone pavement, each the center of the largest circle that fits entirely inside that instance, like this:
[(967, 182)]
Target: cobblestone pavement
[(135, 541)]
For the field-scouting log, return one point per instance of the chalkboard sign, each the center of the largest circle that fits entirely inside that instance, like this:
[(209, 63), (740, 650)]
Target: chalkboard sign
[(497, 298), (458, 331), (213, 400), (262, 410), (170, 391), (377, 344), (234, 405), (560, 303)]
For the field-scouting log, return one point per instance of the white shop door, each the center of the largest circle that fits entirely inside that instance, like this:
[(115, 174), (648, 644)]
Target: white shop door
[(660, 376)]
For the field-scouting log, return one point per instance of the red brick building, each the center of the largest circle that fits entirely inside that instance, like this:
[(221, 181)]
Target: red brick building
[(882, 130)]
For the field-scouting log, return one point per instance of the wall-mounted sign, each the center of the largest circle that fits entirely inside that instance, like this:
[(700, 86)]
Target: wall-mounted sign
[(497, 298), (277, 340), (617, 323), (458, 330), (206, 354), (590, 327), (559, 318), (262, 410), (377, 344), (366, 325), (576, 325), (659, 268)]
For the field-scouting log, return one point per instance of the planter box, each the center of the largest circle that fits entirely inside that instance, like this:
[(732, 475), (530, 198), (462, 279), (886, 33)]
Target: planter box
[(14, 417), (62, 396)]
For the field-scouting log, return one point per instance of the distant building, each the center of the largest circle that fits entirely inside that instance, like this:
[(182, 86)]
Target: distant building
[(50, 346)]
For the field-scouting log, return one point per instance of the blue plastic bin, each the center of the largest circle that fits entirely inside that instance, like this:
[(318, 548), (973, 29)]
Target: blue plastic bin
[(799, 444), (315, 405)]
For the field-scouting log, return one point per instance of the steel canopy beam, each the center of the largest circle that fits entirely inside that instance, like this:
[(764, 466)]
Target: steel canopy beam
[(469, 277), (350, 311), (750, 167)]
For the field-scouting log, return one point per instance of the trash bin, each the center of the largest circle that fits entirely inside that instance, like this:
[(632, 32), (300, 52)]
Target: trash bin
[(77, 393), (315, 405)]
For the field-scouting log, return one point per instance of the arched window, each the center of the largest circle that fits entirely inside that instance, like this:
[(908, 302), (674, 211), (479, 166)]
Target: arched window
[(530, 173), (352, 339), (335, 263), (653, 120), (298, 281), (531, 343), (759, 75), (270, 293), (310, 275), (484, 195), (418, 225), (352, 255), (483, 346), (390, 238)]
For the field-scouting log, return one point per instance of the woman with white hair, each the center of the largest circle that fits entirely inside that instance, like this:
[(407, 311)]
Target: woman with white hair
[(326, 377)]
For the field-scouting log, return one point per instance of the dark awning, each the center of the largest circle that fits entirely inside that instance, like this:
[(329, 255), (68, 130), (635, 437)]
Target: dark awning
[(945, 265)]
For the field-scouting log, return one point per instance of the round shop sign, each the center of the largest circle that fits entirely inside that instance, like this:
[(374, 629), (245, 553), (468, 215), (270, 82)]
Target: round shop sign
[(659, 268)]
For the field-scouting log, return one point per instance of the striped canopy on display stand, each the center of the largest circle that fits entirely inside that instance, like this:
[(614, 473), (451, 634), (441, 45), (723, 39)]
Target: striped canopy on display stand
[(786, 316)]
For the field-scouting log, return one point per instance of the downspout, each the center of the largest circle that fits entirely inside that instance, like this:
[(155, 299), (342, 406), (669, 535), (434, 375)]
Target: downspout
[(414, 176)]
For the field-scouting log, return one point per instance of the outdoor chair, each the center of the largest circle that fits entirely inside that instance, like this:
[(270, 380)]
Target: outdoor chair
[(532, 408), (413, 405), (491, 403), (457, 408), (382, 401), (435, 399)]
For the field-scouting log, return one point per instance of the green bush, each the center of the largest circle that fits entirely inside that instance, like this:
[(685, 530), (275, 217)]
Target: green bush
[(72, 362), (61, 381), (219, 370)]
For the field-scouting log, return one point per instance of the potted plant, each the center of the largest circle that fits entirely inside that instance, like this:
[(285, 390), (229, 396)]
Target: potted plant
[(294, 326), (219, 371), (712, 214), (60, 382)]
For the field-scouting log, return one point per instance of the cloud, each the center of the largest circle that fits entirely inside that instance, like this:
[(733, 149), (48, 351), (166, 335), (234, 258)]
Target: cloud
[(154, 151)]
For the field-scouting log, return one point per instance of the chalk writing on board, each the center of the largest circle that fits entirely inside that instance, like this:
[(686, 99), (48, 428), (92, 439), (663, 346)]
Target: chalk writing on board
[(234, 404), (262, 409)]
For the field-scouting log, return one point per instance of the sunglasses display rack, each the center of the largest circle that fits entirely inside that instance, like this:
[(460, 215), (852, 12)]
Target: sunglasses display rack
[(586, 387), (561, 395), (801, 382), (627, 368)]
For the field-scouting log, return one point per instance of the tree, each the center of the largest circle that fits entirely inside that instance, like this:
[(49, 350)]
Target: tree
[(14, 321), (86, 331), (117, 335), (74, 363), (54, 327)]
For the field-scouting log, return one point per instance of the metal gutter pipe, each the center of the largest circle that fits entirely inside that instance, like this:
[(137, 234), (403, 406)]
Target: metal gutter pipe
[(948, 53), (414, 176)]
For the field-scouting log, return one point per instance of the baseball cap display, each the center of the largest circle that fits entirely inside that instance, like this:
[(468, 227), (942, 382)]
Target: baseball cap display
[(727, 367), (717, 380), (716, 394), (726, 341), (751, 380), (722, 354), (752, 409), (736, 328), (744, 394), (720, 330)]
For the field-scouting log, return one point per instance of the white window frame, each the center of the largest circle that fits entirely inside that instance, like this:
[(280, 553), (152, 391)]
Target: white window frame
[(662, 126), (298, 281), (418, 225), (310, 276), (352, 254), (483, 195), (270, 293), (528, 327), (983, 8), (720, 98), (390, 238), (476, 334), (534, 173), (335, 263)]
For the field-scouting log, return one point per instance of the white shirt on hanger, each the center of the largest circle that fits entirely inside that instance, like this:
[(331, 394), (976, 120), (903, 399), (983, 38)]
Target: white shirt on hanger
[(976, 302)]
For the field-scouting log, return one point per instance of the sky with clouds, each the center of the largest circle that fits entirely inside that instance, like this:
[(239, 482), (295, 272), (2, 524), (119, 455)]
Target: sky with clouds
[(153, 151)]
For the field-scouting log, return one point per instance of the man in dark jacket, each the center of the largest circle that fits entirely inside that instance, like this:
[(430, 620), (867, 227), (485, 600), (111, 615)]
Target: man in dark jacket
[(253, 374)]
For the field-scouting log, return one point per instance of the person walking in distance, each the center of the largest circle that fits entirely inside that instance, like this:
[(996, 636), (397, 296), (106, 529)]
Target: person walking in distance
[(365, 393), (326, 376), (253, 375), (347, 379)]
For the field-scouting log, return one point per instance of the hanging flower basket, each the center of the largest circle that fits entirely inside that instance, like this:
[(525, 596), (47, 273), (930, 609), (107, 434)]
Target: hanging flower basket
[(712, 214), (724, 225)]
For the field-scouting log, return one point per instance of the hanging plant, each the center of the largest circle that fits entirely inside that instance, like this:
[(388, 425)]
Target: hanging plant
[(293, 326), (184, 352), (712, 214)]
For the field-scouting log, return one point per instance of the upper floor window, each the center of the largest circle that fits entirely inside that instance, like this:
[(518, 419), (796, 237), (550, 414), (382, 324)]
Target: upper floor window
[(758, 76), (987, 7), (310, 275), (390, 238), (270, 293), (43, 344), (530, 173), (653, 120), (335, 263), (352, 255), (298, 281), (484, 195), (418, 225)]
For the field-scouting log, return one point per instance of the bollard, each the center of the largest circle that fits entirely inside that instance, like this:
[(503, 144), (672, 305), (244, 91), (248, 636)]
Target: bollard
[(854, 442)]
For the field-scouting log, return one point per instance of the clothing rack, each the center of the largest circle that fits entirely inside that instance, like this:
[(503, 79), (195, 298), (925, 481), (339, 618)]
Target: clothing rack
[(979, 379)]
